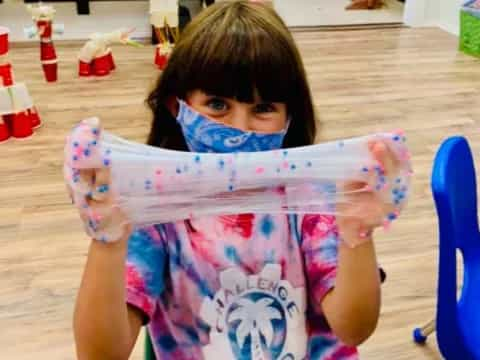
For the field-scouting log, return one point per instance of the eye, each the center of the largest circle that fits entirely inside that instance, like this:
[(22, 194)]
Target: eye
[(217, 104), (264, 108)]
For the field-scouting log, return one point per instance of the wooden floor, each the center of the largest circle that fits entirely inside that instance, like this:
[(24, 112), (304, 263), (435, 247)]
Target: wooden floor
[(363, 81)]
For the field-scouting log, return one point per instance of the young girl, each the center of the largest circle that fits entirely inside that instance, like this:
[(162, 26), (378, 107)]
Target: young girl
[(247, 286)]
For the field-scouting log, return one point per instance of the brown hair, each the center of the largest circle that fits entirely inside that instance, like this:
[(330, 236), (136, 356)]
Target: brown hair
[(232, 50)]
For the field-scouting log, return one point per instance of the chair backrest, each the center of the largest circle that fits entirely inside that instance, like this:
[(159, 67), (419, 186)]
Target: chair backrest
[(454, 190)]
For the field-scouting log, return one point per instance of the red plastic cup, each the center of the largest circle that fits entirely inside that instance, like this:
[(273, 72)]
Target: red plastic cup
[(21, 126), (157, 57), (4, 131), (4, 40), (101, 65), (6, 74), (46, 27), (50, 71), (34, 118), (112, 62), (8, 119), (47, 51), (84, 69), (161, 60)]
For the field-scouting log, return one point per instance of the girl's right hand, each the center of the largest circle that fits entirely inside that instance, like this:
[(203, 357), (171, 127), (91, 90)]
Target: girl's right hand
[(103, 218)]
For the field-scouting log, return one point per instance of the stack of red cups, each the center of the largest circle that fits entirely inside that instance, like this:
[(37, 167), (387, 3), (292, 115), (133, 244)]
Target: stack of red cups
[(48, 55), (100, 66), (18, 117)]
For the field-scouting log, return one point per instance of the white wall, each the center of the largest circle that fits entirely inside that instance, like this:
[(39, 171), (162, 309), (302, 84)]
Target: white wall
[(432, 11), (441, 13), (104, 16), (449, 18), (414, 13)]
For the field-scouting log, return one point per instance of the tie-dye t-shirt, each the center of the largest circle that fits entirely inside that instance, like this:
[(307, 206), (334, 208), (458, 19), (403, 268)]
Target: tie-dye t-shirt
[(237, 287)]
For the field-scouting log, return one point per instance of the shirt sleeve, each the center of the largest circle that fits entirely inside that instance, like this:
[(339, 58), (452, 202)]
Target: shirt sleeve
[(320, 249), (144, 271)]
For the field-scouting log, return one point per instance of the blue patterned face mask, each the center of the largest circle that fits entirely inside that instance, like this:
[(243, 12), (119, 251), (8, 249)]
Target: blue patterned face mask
[(204, 135)]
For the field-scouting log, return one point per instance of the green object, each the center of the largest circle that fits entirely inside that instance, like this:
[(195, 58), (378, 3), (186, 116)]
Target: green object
[(133, 43), (469, 34), (149, 353)]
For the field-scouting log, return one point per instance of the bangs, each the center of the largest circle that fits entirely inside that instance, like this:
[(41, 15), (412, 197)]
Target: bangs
[(248, 59)]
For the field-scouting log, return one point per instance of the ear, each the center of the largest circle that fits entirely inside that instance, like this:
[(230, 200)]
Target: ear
[(172, 105)]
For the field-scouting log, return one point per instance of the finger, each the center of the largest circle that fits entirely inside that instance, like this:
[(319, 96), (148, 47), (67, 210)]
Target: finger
[(116, 227), (70, 193), (384, 156), (366, 206), (86, 180), (101, 186), (355, 186), (96, 215), (378, 151), (92, 218)]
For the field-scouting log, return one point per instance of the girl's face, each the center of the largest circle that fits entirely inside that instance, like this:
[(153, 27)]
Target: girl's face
[(260, 116)]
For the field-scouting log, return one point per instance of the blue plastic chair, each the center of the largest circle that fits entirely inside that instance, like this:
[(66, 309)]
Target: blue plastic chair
[(454, 189)]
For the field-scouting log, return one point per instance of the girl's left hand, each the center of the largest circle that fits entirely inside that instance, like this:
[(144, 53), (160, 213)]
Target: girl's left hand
[(365, 210)]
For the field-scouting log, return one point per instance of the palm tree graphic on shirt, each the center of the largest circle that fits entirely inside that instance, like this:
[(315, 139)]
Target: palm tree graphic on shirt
[(255, 320)]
